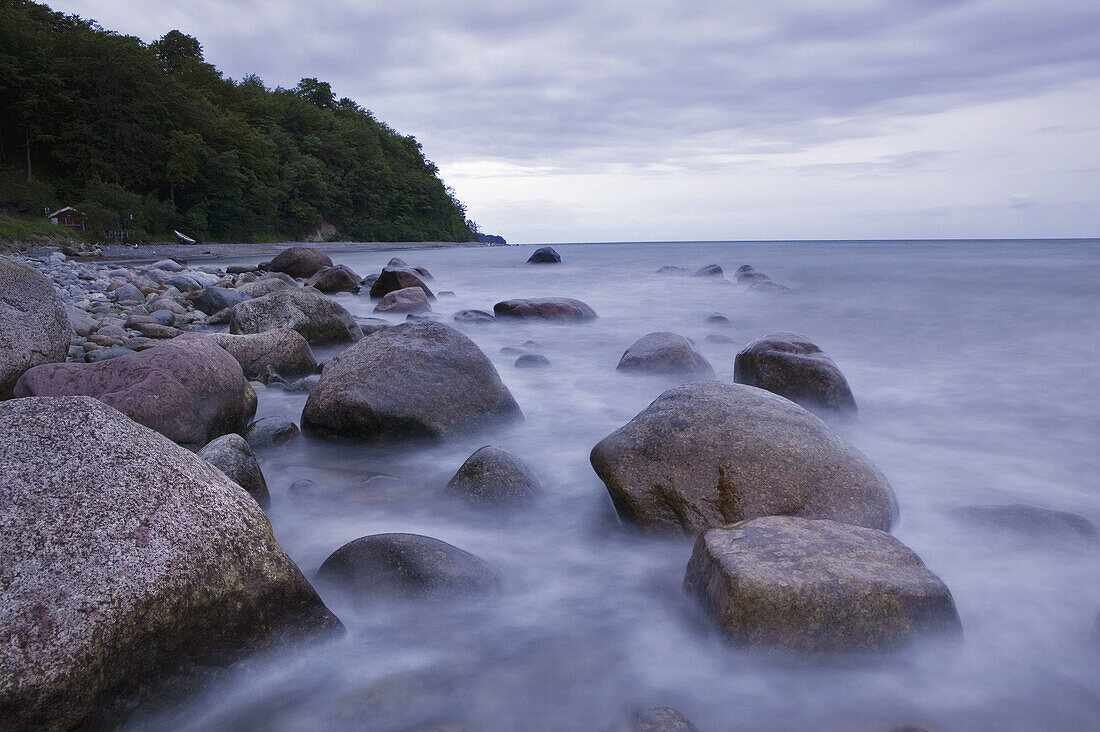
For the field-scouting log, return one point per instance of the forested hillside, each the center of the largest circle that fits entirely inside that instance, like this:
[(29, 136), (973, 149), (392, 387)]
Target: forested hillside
[(114, 127)]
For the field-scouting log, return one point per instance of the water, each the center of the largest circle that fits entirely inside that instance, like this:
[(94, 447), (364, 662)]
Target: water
[(975, 366)]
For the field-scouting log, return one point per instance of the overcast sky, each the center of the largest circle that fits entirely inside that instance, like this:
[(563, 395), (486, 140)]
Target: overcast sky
[(609, 120)]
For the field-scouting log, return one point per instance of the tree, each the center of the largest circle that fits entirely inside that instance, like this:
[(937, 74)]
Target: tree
[(317, 93)]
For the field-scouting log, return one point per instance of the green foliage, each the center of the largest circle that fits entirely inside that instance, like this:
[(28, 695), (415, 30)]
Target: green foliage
[(118, 128)]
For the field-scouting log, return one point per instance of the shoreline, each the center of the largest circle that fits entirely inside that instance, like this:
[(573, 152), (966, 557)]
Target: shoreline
[(213, 251)]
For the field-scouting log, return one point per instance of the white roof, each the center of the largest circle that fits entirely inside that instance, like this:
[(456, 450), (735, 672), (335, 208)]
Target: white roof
[(61, 211)]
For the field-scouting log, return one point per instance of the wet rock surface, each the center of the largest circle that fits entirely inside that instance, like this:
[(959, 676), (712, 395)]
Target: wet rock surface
[(234, 457), (709, 453), (544, 255), (816, 586), (398, 278), (319, 319), (547, 308), (665, 353), (338, 278), (269, 432), (127, 561), (282, 354), (34, 326), (407, 300), (299, 262), (794, 367), (494, 476)]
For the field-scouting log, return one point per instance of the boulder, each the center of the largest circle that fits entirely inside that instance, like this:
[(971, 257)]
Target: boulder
[(34, 327), (316, 317), (212, 299), (473, 316), (665, 353), (673, 270), (188, 389), (712, 453), (163, 316), (546, 308), (662, 719), (270, 432), (423, 272), (234, 457), (711, 270), (397, 262), (156, 330), (544, 255), (531, 361), (816, 586), (751, 276), (407, 300), (128, 293), (267, 285), (406, 566), (281, 353), (299, 262), (398, 278), (339, 278), (493, 475), (791, 366), (167, 265), (82, 323), (127, 561), (1032, 522), (416, 380)]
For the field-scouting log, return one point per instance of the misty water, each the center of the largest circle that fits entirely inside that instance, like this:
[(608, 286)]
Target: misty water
[(975, 367)]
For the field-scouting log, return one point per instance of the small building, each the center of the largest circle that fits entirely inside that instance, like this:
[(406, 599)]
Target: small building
[(70, 217)]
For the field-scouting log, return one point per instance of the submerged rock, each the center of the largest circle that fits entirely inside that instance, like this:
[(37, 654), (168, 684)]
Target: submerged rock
[(531, 361), (711, 270), (417, 380), (299, 262), (339, 278), (127, 560), (816, 586), (473, 316), (1029, 521), (270, 432), (544, 255), (493, 475), (665, 353), (793, 367), (406, 566), (546, 308), (673, 270), (188, 389), (281, 353), (398, 278), (661, 719), (711, 453), (34, 327), (316, 317), (234, 457)]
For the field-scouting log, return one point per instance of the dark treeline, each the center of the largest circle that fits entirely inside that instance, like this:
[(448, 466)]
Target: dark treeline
[(114, 127)]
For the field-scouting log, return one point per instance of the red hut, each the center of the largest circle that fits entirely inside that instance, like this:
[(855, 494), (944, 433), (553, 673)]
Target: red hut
[(70, 217)]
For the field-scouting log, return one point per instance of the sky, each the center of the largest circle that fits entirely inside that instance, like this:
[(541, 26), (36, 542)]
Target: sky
[(647, 120)]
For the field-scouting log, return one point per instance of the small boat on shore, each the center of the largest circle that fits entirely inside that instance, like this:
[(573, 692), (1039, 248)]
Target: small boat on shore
[(184, 239)]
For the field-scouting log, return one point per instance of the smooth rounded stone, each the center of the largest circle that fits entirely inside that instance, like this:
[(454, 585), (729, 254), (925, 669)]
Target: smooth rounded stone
[(316, 317), (338, 278), (302, 487), (665, 353), (34, 325), (212, 299), (270, 432), (167, 265), (446, 293), (816, 586), (406, 566), (416, 380), (127, 561), (718, 338), (128, 293), (108, 353), (268, 284), (423, 272), (372, 325), (717, 319), (139, 343), (299, 262), (407, 300), (546, 308), (712, 453), (303, 385), (182, 281), (673, 270), (368, 282), (398, 278), (241, 269), (1029, 521), (222, 317), (531, 361), (493, 475), (166, 303), (768, 286), (397, 262), (188, 389), (281, 353), (164, 317), (81, 323), (415, 317), (473, 316), (156, 330), (661, 719), (544, 255), (750, 276), (232, 455), (793, 367), (711, 270)]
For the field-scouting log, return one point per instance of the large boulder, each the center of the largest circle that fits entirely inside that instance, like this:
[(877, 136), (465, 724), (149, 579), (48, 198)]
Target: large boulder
[(316, 317), (711, 270), (544, 255), (212, 299), (234, 457), (188, 389), (665, 353), (282, 352), (268, 432), (406, 566), (816, 586), (493, 475), (710, 453), (339, 278), (545, 308), (126, 560), (299, 262), (407, 300), (791, 366), (34, 328), (417, 380), (267, 285), (398, 278)]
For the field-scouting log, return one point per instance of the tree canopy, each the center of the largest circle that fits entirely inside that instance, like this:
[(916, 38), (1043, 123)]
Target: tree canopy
[(117, 128)]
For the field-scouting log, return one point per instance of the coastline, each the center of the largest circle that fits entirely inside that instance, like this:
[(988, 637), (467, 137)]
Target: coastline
[(213, 251)]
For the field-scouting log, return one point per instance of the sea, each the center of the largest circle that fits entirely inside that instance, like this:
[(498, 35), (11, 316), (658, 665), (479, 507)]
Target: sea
[(976, 369)]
